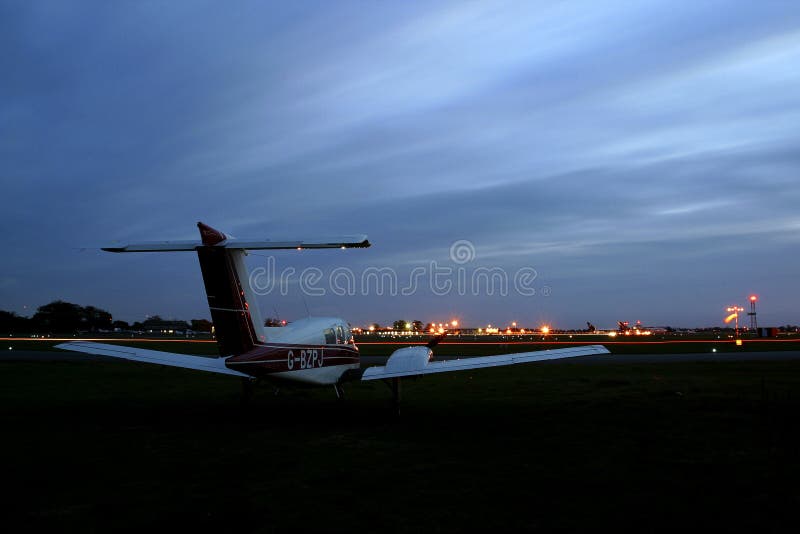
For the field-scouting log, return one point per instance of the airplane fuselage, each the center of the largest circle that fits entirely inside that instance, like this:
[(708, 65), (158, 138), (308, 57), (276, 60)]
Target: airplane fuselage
[(315, 350)]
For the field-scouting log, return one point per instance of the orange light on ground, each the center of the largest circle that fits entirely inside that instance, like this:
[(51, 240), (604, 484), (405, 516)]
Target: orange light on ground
[(738, 342), (371, 328), (454, 323), (612, 334), (545, 330)]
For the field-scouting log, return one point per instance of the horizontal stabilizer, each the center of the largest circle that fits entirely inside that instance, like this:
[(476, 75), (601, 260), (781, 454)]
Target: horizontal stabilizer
[(198, 363), (413, 362), (348, 241)]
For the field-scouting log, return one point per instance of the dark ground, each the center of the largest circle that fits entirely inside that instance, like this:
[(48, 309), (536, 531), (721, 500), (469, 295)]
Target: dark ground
[(629, 446)]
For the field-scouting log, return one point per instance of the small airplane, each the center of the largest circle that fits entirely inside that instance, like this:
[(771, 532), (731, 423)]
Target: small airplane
[(314, 351)]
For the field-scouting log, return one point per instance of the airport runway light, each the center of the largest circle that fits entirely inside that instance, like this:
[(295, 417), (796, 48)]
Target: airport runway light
[(454, 323), (545, 330), (734, 313)]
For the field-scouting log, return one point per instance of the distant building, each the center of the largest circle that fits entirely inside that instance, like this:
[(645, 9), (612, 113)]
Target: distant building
[(161, 326)]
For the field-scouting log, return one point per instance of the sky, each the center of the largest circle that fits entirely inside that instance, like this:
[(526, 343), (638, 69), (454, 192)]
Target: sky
[(633, 160)]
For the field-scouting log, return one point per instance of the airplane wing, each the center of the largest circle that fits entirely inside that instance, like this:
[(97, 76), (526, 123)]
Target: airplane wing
[(413, 361), (199, 363)]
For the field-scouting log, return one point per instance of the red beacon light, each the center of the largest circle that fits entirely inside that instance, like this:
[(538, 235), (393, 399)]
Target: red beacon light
[(753, 298)]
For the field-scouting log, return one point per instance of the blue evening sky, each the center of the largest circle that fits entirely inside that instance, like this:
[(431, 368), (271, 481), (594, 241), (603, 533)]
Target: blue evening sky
[(642, 156)]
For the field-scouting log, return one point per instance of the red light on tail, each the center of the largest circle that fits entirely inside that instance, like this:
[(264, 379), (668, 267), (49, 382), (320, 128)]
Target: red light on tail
[(209, 235)]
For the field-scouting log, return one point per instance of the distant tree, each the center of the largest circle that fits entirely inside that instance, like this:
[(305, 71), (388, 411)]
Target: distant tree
[(417, 326), (429, 327), (58, 316), (590, 327), (201, 325), (122, 325), (95, 319), (11, 323), (7, 320), (399, 324)]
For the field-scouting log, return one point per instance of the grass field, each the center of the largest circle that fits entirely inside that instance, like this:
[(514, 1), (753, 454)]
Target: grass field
[(647, 447)]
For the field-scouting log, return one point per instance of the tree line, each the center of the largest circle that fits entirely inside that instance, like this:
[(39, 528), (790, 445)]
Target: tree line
[(66, 318)]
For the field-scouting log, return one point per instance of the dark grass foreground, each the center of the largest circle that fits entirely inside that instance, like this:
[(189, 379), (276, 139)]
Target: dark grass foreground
[(647, 448)]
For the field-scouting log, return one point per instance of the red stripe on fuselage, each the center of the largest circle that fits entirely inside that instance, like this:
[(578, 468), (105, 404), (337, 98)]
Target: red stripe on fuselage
[(279, 358)]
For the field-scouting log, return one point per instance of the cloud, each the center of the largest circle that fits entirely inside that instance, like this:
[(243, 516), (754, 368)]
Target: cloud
[(579, 137)]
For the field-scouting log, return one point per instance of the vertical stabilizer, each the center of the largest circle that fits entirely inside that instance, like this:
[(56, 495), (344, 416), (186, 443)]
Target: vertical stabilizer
[(237, 327)]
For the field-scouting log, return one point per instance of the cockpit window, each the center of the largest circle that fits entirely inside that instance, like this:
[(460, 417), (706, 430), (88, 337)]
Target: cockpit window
[(340, 335), (330, 336), (348, 336)]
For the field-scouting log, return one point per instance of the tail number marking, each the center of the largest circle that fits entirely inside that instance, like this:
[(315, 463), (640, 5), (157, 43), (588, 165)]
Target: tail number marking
[(309, 358)]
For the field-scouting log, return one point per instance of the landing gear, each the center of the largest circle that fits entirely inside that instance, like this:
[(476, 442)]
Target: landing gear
[(339, 391), (248, 390), (394, 385)]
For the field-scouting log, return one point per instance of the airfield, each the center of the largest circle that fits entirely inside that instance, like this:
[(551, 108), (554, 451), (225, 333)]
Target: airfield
[(652, 438)]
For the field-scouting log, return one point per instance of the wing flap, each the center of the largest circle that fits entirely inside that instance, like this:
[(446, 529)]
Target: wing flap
[(198, 363), (463, 364)]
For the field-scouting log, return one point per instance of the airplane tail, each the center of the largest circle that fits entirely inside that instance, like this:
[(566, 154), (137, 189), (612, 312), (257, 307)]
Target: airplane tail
[(237, 328), (237, 324)]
